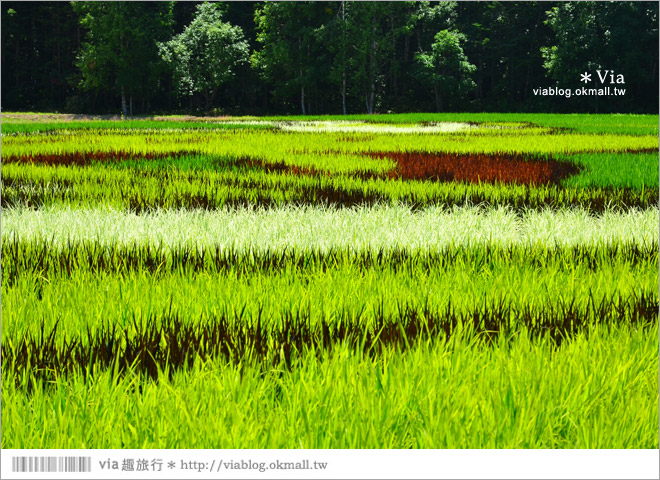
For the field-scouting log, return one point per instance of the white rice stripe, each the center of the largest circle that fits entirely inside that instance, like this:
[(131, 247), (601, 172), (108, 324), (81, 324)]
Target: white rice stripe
[(362, 127), (315, 228)]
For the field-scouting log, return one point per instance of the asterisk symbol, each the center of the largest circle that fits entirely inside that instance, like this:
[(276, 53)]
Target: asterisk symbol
[(171, 464), (586, 77)]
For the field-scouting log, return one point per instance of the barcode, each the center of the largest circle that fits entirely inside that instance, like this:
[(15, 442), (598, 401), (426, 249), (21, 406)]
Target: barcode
[(51, 464)]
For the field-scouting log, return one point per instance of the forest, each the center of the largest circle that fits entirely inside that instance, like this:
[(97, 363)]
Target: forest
[(233, 58)]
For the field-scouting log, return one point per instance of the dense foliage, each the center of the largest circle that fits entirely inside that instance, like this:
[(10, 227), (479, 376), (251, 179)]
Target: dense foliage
[(324, 57)]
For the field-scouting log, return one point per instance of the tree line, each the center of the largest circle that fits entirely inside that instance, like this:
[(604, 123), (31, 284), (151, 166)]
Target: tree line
[(324, 57)]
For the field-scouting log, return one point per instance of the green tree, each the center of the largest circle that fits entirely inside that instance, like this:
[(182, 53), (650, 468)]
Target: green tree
[(578, 46), (292, 56), (619, 36), (504, 41), (379, 37), (39, 40), (326, 57), (371, 39), (120, 52), (339, 42), (422, 23), (206, 54), (446, 67)]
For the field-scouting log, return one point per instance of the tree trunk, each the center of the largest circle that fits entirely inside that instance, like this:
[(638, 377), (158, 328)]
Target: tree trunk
[(209, 97), (343, 92), (59, 57), (532, 43), (18, 79), (372, 73), (131, 105), (438, 98), (124, 110), (480, 78), (406, 49), (302, 84), (369, 100), (312, 98), (343, 47), (372, 97), (302, 95)]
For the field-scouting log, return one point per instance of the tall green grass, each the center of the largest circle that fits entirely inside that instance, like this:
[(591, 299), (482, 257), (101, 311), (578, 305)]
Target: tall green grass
[(278, 146), (230, 283), (147, 189), (627, 124), (203, 169), (598, 391), (78, 285), (109, 126), (615, 170)]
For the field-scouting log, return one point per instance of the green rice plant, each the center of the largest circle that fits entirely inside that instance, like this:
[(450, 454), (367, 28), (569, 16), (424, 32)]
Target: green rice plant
[(616, 170), (211, 169), (279, 146), (215, 185), (599, 390), (586, 123), (80, 286), (168, 342), (325, 282), (108, 126), (53, 259)]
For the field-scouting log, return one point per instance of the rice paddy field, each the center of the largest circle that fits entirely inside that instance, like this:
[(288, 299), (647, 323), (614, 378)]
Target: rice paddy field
[(383, 281)]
